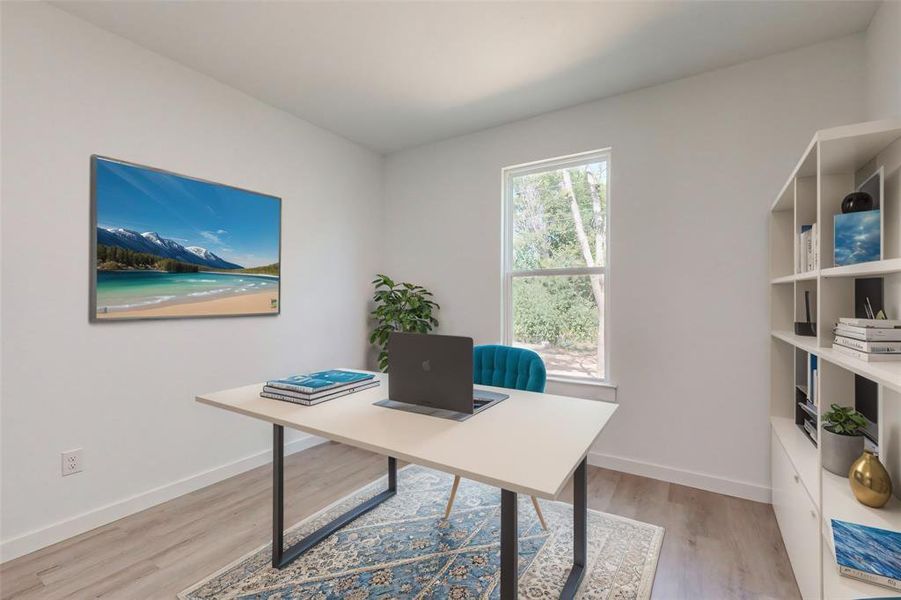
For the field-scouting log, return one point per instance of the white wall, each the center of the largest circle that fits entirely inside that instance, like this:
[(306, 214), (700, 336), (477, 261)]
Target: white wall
[(124, 391), (884, 62), (696, 164)]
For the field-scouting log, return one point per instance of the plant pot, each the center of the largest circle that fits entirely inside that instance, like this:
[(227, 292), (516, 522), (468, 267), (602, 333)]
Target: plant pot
[(840, 451)]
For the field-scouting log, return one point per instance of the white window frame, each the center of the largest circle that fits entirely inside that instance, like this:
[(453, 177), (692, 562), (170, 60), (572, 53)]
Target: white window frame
[(507, 272)]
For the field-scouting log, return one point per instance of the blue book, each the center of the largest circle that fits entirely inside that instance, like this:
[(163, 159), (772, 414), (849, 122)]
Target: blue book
[(867, 553), (319, 381)]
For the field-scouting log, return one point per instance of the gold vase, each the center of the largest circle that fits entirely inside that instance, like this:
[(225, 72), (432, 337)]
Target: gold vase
[(870, 481)]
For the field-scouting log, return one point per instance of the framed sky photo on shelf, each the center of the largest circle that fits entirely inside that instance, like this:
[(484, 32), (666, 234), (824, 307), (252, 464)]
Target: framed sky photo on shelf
[(171, 246), (859, 236)]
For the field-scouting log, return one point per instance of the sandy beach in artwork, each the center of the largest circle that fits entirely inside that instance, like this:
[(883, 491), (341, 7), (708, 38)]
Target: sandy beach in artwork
[(244, 304)]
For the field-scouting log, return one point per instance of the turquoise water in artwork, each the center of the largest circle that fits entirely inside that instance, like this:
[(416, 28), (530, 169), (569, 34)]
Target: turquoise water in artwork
[(124, 290)]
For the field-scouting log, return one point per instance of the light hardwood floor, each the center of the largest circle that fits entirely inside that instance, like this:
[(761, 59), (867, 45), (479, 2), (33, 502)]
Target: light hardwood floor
[(716, 547)]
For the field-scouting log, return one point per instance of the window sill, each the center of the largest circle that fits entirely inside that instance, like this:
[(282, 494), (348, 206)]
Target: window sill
[(586, 382)]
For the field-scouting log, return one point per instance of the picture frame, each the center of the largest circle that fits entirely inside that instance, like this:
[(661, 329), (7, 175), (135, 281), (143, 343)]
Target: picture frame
[(139, 273)]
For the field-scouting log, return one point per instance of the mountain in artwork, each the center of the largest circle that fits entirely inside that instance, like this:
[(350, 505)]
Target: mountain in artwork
[(152, 243)]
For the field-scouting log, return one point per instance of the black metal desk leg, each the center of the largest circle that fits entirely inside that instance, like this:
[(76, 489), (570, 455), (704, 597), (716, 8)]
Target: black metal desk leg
[(580, 532), (278, 494), (281, 556), (509, 546)]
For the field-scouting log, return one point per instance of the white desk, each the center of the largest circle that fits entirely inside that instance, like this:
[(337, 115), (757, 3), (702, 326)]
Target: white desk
[(530, 443)]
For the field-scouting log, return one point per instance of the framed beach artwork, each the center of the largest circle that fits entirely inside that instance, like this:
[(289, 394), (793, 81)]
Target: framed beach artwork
[(170, 246)]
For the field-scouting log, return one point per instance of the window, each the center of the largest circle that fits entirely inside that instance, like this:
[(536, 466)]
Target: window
[(555, 262)]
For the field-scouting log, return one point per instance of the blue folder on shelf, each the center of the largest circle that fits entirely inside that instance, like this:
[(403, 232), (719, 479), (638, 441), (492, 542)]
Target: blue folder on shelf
[(868, 553)]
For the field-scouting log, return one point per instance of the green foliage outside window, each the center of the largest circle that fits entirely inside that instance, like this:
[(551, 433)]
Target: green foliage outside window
[(550, 232)]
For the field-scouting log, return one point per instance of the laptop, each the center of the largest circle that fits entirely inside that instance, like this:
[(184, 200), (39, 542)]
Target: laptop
[(432, 375)]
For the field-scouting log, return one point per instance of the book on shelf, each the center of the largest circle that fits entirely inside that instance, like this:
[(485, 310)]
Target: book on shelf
[(813, 387), (813, 255), (874, 347), (807, 258), (807, 245), (285, 396), (809, 408), (811, 429), (866, 356), (868, 553), (868, 333), (319, 381), (870, 323)]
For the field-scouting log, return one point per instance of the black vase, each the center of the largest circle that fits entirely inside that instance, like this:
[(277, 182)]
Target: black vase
[(857, 202)]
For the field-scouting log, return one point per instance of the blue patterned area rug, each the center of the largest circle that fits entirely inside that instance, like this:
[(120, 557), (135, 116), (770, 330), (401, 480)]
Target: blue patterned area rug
[(405, 549)]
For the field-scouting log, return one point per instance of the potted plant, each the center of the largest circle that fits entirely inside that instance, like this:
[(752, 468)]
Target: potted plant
[(842, 438), (404, 307)]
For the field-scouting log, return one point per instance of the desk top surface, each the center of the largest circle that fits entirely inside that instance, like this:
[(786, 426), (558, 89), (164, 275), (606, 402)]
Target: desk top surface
[(530, 443)]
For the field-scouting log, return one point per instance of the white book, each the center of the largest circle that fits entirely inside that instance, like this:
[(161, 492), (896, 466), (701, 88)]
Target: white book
[(892, 584), (338, 394), (866, 356), (875, 347), (868, 333), (813, 388), (878, 323), (805, 236), (360, 385), (810, 250), (814, 247)]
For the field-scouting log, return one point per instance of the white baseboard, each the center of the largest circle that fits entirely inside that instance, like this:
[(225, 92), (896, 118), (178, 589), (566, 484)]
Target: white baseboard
[(720, 485), (57, 532)]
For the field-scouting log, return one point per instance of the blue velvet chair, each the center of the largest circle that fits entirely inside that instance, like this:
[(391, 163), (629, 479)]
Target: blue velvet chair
[(514, 368), (505, 366)]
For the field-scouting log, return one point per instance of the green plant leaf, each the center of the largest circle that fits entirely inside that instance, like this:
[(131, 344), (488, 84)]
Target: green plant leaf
[(399, 307)]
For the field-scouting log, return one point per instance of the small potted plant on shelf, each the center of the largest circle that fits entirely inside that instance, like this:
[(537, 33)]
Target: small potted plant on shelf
[(842, 438)]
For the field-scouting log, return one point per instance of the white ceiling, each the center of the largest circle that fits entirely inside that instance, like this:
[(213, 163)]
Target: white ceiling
[(392, 75)]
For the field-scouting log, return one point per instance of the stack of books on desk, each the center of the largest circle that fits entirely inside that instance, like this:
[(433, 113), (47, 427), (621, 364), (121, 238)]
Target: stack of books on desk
[(870, 340), (314, 388)]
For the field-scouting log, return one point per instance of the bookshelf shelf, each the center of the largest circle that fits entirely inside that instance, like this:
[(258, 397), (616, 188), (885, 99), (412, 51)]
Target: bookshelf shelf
[(805, 276), (868, 269), (807, 344), (840, 503), (887, 374), (836, 162)]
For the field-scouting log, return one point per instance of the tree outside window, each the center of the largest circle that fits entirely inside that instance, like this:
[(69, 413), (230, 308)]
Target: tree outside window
[(556, 262)]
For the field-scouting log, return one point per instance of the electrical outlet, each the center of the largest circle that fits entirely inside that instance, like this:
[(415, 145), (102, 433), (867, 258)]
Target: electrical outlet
[(71, 462)]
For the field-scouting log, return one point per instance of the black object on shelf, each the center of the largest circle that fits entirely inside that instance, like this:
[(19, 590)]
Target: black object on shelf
[(857, 202), (806, 328), (804, 414)]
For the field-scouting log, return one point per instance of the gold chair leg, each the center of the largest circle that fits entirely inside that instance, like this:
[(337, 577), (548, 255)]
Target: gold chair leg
[(538, 512), (453, 494)]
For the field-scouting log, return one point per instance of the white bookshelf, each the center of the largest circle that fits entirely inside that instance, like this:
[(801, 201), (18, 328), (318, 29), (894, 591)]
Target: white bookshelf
[(806, 497)]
